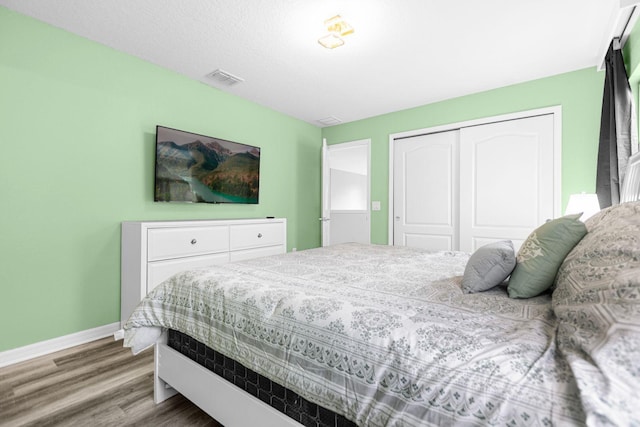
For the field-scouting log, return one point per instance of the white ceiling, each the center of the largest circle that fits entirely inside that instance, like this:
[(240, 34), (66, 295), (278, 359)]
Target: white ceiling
[(404, 53)]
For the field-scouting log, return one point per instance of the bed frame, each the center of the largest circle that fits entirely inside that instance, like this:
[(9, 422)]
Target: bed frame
[(175, 373)]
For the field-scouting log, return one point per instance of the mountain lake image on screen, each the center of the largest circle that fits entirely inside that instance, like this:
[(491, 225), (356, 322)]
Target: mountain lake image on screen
[(202, 169)]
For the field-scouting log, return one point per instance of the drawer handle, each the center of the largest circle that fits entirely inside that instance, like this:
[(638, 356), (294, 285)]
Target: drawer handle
[(259, 235), (194, 241)]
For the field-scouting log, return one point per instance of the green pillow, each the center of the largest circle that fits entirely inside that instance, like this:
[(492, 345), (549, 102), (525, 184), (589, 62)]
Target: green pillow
[(541, 255)]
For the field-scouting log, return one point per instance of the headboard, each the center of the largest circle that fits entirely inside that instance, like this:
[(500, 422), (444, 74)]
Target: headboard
[(631, 185)]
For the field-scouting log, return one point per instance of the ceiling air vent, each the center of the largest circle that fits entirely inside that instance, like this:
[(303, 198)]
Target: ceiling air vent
[(224, 78), (329, 121)]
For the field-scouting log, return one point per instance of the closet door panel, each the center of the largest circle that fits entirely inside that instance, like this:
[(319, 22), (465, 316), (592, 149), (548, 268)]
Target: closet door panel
[(507, 180), (500, 196), (425, 191)]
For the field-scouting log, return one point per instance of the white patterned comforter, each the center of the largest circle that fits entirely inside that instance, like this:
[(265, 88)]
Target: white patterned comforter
[(381, 334)]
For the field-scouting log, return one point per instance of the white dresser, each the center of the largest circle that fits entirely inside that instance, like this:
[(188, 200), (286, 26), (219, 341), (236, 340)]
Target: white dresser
[(152, 251)]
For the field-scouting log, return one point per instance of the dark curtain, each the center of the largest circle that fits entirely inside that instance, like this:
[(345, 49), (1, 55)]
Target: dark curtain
[(615, 129)]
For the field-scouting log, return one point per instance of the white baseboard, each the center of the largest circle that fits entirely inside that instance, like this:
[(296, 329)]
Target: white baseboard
[(41, 348)]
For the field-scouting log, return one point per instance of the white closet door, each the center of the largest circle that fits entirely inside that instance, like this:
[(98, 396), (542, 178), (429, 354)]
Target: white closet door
[(507, 176), (426, 191)]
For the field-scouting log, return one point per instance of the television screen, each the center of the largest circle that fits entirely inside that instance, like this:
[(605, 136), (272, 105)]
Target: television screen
[(203, 169)]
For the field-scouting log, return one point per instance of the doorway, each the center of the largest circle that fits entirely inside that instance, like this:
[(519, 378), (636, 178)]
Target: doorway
[(346, 193)]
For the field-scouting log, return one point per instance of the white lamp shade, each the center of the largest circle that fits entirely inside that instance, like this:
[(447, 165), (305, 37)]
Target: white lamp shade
[(586, 203)]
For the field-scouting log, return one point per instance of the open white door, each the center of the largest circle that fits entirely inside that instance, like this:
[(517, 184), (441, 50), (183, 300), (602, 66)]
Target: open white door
[(326, 195)]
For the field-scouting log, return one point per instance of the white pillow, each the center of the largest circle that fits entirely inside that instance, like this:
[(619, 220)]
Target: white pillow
[(489, 266)]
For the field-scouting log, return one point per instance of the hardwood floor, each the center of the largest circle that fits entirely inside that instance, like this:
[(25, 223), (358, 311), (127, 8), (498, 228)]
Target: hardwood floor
[(95, 384)]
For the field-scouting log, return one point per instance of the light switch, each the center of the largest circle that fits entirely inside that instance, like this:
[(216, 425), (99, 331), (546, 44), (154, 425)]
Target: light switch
[(375, 205)]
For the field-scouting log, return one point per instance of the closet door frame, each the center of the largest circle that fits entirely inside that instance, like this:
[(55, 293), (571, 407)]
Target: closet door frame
[(557, 151)]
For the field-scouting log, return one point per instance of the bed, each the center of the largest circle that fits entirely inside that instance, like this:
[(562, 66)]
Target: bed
[(385, 336)]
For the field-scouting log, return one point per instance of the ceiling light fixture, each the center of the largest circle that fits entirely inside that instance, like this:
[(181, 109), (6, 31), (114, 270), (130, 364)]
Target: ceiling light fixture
[(337, 28)]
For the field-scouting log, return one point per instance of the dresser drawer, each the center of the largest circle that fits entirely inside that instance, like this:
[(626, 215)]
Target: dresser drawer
[(256, 235), (166, 243), (159, 271)]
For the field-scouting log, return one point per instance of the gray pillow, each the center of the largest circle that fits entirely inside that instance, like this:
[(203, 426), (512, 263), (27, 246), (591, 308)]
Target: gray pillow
[(489, 266)]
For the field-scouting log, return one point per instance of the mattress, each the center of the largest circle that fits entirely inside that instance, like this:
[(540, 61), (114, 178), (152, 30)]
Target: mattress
[(284, 400)]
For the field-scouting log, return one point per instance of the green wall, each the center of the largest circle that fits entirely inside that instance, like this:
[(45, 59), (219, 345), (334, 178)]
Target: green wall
[(579, 93), (77, 131)]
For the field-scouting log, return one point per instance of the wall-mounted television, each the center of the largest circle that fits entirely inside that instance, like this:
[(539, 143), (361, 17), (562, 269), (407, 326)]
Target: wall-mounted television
[(203, 169)]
